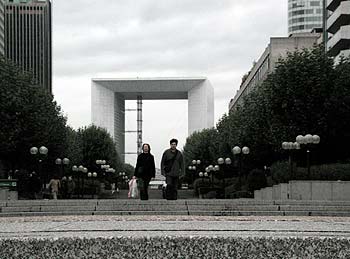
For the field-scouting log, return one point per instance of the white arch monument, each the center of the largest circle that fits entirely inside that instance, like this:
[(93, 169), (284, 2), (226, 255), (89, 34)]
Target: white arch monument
[(108, 101)]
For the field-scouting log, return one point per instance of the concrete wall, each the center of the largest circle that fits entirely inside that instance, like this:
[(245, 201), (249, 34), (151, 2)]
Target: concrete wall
[(306, 190), (6, 194), (280, 192), (266, 193)]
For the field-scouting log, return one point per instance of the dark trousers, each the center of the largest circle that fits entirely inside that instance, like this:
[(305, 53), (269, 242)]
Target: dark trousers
[(171, 187), (144, 188)]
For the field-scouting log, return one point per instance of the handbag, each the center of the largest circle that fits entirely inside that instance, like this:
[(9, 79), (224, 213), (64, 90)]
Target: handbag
[(133, 191)]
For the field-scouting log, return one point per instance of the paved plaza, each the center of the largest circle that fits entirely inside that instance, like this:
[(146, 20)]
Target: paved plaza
[(174, 226)]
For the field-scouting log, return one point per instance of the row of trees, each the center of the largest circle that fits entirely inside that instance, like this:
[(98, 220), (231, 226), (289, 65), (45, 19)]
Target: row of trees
[(30, 117), (306, 94)]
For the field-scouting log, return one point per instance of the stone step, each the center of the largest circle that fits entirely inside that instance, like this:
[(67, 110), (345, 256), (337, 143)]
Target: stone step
[(240, 207), (178, 212)]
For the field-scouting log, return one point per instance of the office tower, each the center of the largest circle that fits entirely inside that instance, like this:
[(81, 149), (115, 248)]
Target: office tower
[(338, 27), (28, 37), (277, 48), (2, 27), (304, 15)]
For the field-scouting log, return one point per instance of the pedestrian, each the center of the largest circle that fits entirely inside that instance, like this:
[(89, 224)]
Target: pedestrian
[(63, 190), (145, 170), (34, 182), (172, 167), (70, 187), (54, 185)]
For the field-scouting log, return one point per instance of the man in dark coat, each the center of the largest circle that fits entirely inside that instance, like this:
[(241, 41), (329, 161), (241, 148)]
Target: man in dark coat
[(172, 167), (145, 170)]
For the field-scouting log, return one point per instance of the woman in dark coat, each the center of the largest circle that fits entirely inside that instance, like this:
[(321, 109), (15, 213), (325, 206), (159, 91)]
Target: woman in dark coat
[(145, 170)]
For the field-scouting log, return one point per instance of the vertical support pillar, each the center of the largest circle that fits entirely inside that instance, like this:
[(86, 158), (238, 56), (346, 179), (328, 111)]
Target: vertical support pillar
[(139, 124), (324, 24)]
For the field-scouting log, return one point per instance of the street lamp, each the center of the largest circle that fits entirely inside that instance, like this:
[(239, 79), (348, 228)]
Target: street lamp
[(122, 176), (79, 171), (194, 167), (237, 151), (61, 163), (307, 140), (291, 146), (93, 177), (83, 171), (224, 163), (42, 152)]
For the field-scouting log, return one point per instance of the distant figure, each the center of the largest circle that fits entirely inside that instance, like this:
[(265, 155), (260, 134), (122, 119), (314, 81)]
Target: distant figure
[(35, 185), (70, 187), (145, 170), (55, 185), (9, 175), (112, 188), (64, 187), (172, 167)]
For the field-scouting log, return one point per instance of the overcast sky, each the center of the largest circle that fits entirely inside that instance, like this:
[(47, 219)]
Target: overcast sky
[(217, 39)]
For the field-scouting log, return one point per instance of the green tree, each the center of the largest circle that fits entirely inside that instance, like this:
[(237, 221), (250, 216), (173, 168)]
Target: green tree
[(203, 146), (73, 147), (96, 144), (305, 94), (29, 117), (297, 94)]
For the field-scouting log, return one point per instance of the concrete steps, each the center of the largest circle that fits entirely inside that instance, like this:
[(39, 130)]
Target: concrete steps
[(237, 207)]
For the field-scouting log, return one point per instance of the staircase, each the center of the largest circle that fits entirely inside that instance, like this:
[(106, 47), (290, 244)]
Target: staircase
[(193, 207)]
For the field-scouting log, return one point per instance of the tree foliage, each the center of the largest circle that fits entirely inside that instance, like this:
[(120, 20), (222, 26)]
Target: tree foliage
[(97, 144), (29, 117), (203, 146), (306, 94)]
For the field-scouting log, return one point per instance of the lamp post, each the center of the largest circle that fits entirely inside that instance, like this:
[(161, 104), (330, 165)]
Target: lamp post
[(202, 175), (75, 174), (79, 171), (224, 163), (122, 176), (194, 167), (62, 163), (92, 176), (83, 171), (42, 152), (110, 172), (307, 140), (291, 146), (237, 151), (209, 171)]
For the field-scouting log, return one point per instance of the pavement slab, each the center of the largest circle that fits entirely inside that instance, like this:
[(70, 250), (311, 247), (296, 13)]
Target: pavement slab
[(53, 227)]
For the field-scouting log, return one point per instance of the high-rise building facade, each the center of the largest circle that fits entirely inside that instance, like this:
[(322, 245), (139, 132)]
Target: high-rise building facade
[(28, 37), (338, 27), (277, 48), (2, 27), (304, 15)]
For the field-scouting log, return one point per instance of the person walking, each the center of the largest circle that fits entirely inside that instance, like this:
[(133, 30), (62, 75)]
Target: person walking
[(70, 187), (172, 167), (55, 185), (145, 170)]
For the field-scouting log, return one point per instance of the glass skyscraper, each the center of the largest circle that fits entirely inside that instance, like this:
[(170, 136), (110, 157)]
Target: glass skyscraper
[(28, 38), (304, 15)]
